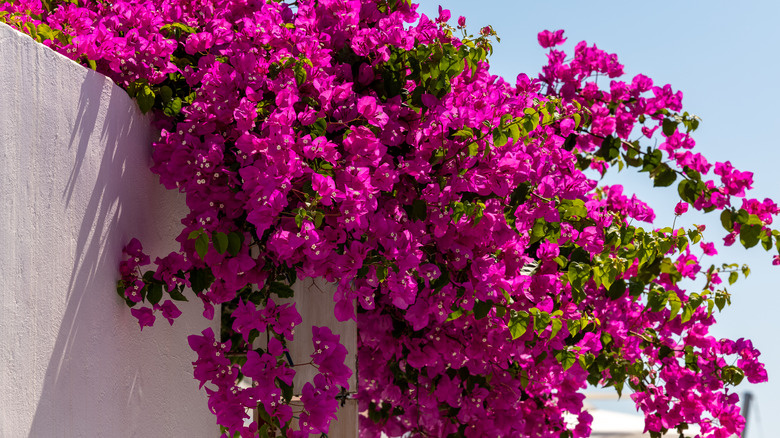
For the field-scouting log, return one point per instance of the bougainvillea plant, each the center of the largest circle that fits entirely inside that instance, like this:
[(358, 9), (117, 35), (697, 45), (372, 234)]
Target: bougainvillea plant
[(493, 278)]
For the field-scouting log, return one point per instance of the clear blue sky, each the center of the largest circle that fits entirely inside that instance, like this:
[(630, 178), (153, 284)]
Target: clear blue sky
[(725, 57)]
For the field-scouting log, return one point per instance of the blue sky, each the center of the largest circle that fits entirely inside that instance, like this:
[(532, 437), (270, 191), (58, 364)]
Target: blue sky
[(724, 56)]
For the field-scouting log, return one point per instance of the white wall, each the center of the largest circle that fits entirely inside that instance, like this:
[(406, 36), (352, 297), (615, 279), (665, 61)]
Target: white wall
[(75, 188)]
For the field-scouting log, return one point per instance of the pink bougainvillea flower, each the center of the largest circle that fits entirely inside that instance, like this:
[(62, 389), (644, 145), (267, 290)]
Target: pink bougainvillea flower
[(329, 356), (680, 208), (547, 250), (145, 316), (133, 291), (135, 251), (708, 248), (444, 15), (320, 406), (549, 39), (170, 311), (325, 186)]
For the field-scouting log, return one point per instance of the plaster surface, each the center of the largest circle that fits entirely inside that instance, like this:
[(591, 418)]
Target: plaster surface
[(74, 158)]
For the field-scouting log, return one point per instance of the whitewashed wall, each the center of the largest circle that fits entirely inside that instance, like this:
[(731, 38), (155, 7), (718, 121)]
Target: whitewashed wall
[(75, 188)]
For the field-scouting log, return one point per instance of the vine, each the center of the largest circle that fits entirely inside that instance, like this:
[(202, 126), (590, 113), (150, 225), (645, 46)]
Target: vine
[(360, 142)]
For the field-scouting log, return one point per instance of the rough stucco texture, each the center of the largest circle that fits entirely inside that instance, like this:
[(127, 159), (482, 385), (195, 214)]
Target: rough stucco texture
[(75, 188)]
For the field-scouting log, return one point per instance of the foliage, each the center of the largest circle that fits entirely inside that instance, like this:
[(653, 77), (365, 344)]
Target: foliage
[(360, 142)]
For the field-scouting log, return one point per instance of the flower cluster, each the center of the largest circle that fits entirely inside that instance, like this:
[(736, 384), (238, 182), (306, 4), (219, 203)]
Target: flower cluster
[(361, 142), (130, 271)]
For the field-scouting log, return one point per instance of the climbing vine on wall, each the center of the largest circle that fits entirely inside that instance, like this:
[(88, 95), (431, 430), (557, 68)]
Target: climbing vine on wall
[(492, 277)]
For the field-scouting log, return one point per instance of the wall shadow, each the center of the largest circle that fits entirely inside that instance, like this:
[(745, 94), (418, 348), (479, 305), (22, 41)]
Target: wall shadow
[(104, 377)]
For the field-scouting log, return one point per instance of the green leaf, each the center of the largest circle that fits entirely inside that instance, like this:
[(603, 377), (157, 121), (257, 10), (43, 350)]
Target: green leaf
[(541, 320), (665, 178), (610, 148), (664, 352), (617, 289), (635, 288), (674, 303), (282, 290), (695, 235), (566, 358), (173, 107), (586, 360), (457, 313), (547, 116), (202, 245), (742, 216), (300, 74), (220, 241), (201, 279), (557, 325), (381, 273), (519, 194), (263, 431), (514, 132), (669, 126), (573, 209), (529, 124), (651, 160), (46, 33), (165, 94), (482, 308), (754, 220), (473, 148), (318, 128), (733, 277), (419, 210), (145, 99), (538, 231), (687, 191), (720, 301), (577, 120), (656, 300), (177, 295), (766, 240), (561, 261), (178, 27), (605, 274), (524, 378), (148, 277), (749, 235), (287, 390), (299, 217), (464, 133), (155, 293), (235, 241), (578, 275), (687, 313), (499, 138), (195, 234), (692, 174), (518, 323), (732, 375)]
